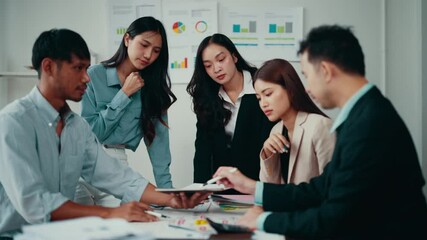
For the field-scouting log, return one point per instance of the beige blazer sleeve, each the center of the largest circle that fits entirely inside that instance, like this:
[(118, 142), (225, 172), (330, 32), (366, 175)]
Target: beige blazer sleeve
[(270, 167), (324, 143), (312, 146)]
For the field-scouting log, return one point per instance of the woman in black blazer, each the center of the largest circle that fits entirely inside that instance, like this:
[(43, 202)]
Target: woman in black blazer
[(231, 127)]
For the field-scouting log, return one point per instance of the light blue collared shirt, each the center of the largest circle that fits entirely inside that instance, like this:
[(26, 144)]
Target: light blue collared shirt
[(342, 116), (348, 106), (115, 119), (39, 171), (259, 189)]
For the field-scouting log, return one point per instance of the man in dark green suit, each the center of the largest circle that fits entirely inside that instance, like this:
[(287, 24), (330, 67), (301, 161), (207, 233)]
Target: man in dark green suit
[(372, 188)]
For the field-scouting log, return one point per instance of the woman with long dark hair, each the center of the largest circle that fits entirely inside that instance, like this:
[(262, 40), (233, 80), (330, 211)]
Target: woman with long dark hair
[(231, 127), (300, 144), (129, 95)]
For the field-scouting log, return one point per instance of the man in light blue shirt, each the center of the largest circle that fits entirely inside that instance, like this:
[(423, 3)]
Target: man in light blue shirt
[(45, 148)]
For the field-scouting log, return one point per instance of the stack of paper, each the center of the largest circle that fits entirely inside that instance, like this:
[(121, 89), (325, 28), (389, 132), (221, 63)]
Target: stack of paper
[(196, 187), (232, 202), (90, 228)]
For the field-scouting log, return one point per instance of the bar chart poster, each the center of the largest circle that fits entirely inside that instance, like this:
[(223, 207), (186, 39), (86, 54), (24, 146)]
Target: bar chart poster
[(263, 32), (122, 13), (181, 63), (242, 27), (187, 23), (282, 32)]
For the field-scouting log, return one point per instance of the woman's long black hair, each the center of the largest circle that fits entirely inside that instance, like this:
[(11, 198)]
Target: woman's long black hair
[(156, 95), (207, 105)]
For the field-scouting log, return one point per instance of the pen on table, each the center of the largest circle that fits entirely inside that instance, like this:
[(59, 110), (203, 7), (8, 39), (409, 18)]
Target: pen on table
[(159, 215), (213, 180), (158, 207), (184, 228)]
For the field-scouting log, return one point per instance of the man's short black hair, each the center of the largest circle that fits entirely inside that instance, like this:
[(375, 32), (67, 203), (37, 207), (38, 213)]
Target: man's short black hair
[(58, 44), (334, 44)]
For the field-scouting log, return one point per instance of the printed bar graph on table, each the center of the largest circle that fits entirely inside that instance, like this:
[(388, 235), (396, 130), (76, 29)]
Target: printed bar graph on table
[(182, 64)]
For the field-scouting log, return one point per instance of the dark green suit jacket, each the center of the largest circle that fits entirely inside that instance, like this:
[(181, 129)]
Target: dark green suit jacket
[(371, 189), (252, 129)]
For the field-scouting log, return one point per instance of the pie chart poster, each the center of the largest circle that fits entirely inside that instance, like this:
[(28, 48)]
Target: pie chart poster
[(187, 23)]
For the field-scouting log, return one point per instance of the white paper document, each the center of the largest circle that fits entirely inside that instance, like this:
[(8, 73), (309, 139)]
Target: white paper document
[(89, 228), (196, 187)]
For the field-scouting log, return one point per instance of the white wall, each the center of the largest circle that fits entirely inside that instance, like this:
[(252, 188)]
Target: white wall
[(26, 19), (424, 89), (404, 68), (403, 64), (3, 82)]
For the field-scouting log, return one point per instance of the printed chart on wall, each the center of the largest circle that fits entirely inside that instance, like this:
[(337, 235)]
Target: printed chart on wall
[(187, 23), (122, 13), (265, 32)]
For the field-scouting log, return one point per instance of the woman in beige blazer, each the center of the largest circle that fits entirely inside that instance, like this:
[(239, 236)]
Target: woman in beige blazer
[(300, 144)]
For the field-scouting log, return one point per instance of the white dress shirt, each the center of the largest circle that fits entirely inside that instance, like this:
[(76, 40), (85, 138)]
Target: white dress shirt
[(234, 107)]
